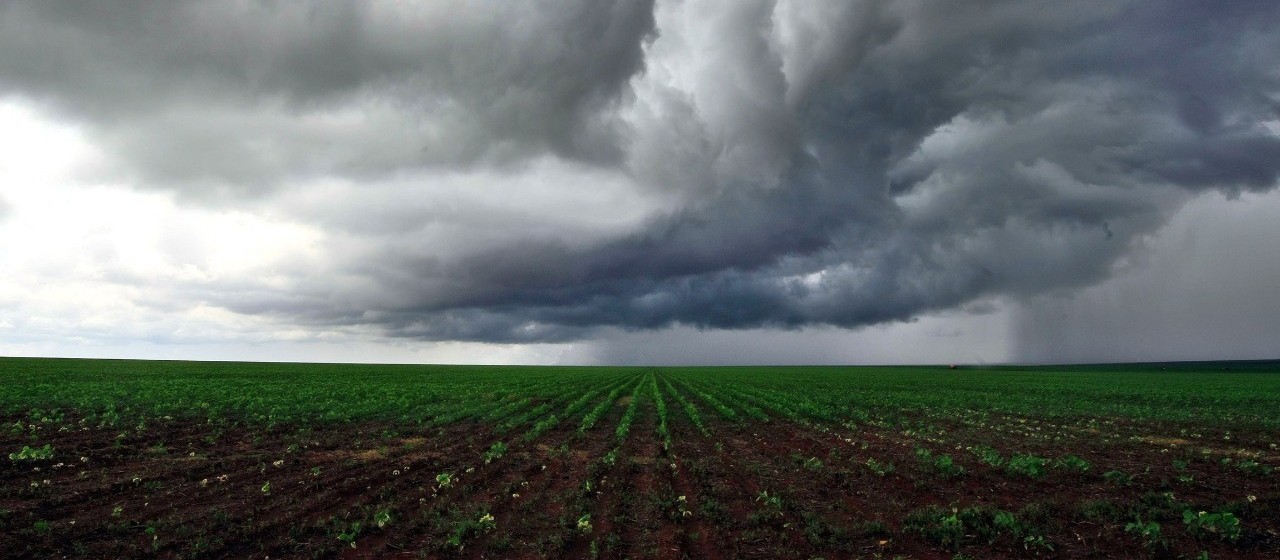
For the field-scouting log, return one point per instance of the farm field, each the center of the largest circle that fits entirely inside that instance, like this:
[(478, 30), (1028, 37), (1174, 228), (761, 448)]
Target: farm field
[(118, 459)]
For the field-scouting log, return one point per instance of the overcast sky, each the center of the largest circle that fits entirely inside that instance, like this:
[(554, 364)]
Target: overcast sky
[(623, 181)]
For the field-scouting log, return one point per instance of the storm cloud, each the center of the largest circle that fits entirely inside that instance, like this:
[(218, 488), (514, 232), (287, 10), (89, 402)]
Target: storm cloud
[(537, 171)]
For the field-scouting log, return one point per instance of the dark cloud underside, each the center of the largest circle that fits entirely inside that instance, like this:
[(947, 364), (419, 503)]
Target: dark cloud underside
[(833, 163)]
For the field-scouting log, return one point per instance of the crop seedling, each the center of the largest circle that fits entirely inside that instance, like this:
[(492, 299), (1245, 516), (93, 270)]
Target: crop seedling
[(1036, 541), (611, 457), (771, 503), (1006, 521), (1119, 478), (1224, 524), (1149, 531), (584, 524), (1026, 465), (1254, 467), (596, 413), (1072, 463), (988, 456), (382, 518), (941, 463), (33, 454), (724, 410), (349, 535), (444, 480), (155, 539), (690, 410), (879, 468), (924, 455), (936, 524), (628, 416), (541, 427), (682, 507), (495, 452), (675, 508)]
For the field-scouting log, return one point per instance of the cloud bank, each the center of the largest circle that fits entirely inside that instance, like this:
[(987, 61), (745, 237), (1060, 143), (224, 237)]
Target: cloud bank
[(537, 171)]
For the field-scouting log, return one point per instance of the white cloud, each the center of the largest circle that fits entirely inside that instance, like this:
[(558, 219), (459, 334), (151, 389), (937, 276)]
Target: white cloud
[(89, 261)]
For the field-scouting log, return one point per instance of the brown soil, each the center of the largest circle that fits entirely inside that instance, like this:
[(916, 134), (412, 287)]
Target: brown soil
[(777, 489)]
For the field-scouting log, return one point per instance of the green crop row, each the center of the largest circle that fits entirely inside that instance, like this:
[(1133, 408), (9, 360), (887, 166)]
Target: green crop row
[(690, 410), (589, 421), (660, 405), (624, 425), (120, 393)]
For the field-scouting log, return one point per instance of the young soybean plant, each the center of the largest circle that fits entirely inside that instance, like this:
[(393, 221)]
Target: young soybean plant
[(32, 454), (541, 427), (589, 421), (1026, 465), (724, 410), (569, 411), (661, 406), (495, 452), (690, 410), (624, 426)]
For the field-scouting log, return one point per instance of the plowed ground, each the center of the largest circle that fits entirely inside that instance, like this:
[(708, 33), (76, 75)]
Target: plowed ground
[(776, 489)]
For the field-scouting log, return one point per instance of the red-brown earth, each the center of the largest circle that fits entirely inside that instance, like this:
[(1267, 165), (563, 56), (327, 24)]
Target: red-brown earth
[(177, 488)]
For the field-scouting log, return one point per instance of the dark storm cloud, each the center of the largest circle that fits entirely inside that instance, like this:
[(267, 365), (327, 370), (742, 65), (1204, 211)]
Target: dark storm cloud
[(836, 163), (241, 95)]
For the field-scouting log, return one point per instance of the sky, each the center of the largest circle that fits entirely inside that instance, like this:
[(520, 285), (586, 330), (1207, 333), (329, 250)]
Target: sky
[(640, 182)]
